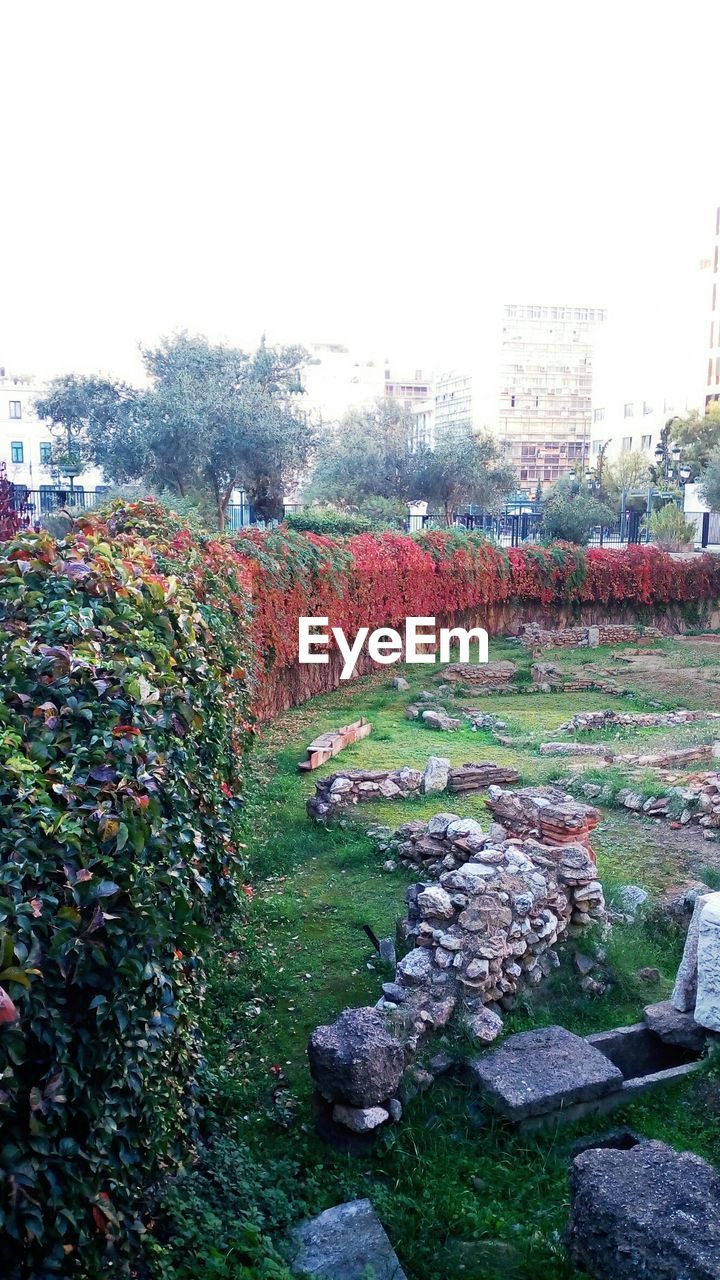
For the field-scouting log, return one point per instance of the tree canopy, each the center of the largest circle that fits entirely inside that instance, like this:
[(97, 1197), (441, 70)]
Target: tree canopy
[(213, 419), (365, 456), (463, 469)]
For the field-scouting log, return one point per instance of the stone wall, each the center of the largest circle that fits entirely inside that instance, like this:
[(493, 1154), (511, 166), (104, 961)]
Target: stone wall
[(482, 922), (534, 636), (353, 786)]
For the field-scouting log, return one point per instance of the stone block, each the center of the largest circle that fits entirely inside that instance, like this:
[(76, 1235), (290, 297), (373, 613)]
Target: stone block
[(648, 1212), (674, 1026), (684, 992), (707, 1007), (535, 1072), (345, 1243), (355, 1060), (435, 776)]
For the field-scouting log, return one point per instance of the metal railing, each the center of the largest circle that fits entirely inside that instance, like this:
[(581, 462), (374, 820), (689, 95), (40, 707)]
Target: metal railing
[(31, 504)]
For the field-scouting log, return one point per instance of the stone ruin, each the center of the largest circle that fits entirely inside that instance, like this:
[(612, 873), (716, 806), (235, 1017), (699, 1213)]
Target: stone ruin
[(481, 674), (586, 721), (338, 790), (481, 924), (533, 636)]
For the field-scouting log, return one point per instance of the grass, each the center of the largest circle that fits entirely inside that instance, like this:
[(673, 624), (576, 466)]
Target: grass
[(460, 1193)]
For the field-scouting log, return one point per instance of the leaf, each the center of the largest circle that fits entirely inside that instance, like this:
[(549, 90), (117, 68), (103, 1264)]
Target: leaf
[(105, 889), (13, 974)]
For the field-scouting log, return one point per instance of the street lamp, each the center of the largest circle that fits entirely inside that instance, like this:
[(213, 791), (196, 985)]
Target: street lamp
[(685, 474)]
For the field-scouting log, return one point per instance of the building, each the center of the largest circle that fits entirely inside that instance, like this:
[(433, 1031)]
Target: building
[(454, 405), (423, 426), (544, 400), (26, 447), (712, 387), (408, 390), (337, 380), (622, 424)]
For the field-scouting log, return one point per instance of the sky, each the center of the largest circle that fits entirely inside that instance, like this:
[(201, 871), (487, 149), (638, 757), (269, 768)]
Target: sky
[(383, 173)]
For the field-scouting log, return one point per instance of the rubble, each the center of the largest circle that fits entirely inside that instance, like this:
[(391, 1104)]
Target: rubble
[(481, 923)]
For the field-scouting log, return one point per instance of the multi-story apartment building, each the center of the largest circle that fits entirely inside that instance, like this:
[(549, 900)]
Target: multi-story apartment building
[(545, 389), (712, 388), (408, 390), (26, 445), (453, 400), (621, 424)]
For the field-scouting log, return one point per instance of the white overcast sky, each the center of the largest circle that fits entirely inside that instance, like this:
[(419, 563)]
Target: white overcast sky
[(383, 173)]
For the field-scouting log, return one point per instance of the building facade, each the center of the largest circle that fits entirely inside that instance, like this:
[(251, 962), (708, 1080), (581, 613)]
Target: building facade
[(338, 380), (454, 404), (712, 386), (408, 389), (621, 424), (26, 447), (544, 407)]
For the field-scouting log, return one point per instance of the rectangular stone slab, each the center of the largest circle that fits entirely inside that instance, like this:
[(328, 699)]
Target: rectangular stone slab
[(345, 1243), (544, 1070), (329, 744)]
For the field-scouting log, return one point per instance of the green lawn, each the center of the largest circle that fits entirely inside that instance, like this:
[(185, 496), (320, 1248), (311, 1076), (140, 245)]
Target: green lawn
[(459, 1194)]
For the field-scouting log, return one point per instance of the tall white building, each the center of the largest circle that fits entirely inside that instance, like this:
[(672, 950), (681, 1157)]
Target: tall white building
[(625, 424), (712, 387), (544, 404), (454, 405), (26, 445)]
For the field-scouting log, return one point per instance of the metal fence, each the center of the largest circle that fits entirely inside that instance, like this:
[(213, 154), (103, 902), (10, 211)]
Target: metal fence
[(518, 524), (31, 504)]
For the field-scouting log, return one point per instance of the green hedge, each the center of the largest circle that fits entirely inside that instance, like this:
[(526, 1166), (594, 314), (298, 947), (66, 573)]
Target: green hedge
[(123, 720)]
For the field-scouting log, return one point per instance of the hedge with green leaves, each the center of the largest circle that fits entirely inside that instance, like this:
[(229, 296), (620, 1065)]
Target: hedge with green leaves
[(123, 721)]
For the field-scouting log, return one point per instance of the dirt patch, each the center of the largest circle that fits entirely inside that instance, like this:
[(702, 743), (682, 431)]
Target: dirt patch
[(654, 673)]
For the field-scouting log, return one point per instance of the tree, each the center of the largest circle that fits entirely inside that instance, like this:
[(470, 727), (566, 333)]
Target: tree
[(462, 469), (213, 419), (572, 512), (630, 471), (698, 435), (223, 419), (92, 421), (710, 481), (368, 455)]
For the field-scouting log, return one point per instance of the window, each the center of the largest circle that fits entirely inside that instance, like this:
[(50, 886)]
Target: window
[(646, 442), (45, 454), (47, 497), (628, 410), (17, 453), (647, 407), (627, 444), (597, 448), (15, 409), (598, 415)]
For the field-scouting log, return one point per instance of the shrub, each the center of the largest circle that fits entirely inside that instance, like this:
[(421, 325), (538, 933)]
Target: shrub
[(328, 520), (669, 529), (572, 519), (122, 725)]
